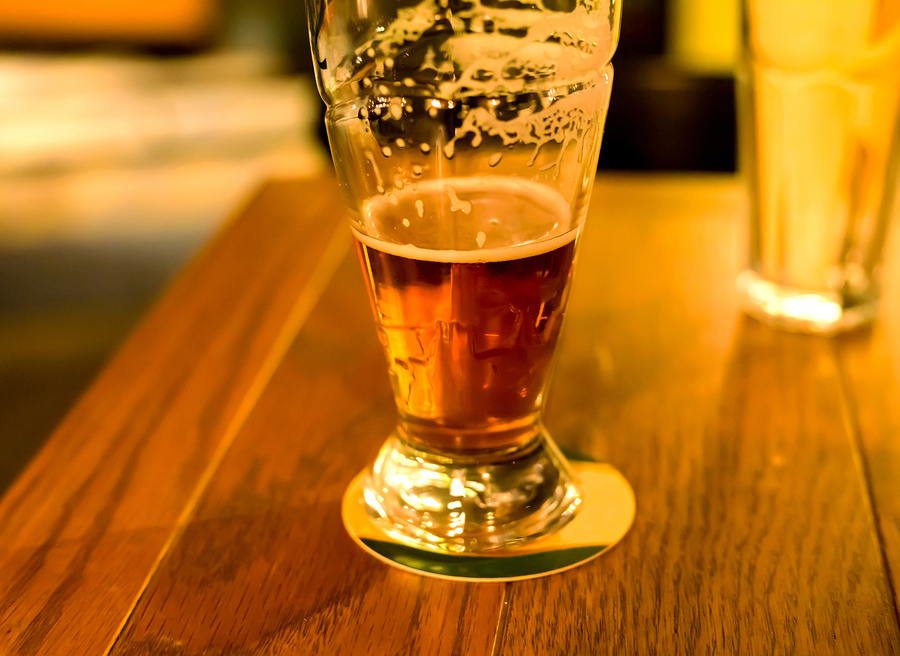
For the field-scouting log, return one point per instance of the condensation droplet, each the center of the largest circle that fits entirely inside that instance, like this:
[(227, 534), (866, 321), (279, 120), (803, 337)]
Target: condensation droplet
[(401, 144), (370, 52), (425, 148), (393, 200), (398, 181), (408, 109), (409, 82), (396, 111), (386, 151), (480, 238), (389, 63), (367, 83), (417, 170), (405, 223), (494, 221), (380, 189), (420, 208), (383, 89), (432, 112), (495, 159)]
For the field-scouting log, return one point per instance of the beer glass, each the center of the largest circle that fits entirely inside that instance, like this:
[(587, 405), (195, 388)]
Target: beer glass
[(820, 137), (465, 136)]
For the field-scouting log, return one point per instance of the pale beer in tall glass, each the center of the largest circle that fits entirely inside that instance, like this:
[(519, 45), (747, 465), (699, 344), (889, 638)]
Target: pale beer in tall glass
[(820, 136)]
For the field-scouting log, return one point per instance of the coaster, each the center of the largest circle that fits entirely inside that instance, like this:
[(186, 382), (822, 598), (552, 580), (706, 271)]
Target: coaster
[(605, 516)]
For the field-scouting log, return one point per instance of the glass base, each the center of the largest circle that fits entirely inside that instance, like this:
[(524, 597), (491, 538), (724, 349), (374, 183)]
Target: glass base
[(468, 504), (801, 310)]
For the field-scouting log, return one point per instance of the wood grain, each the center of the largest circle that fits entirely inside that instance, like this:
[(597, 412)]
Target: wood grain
[(82, 528), (189, 505), (870, 364), (752, 534), (265, 566)]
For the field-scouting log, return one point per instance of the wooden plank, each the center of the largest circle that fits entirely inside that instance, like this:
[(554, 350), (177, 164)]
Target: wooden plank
[(751, 534), (870, 364), (83, 527), (189, 462), (265, 565)]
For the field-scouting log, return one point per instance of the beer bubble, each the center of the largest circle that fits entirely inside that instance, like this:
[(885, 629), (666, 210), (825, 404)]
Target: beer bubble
[(494, 221), (495, 159), (405, 223), (386, 151), (425, 148), (420, 208), (480, 238)]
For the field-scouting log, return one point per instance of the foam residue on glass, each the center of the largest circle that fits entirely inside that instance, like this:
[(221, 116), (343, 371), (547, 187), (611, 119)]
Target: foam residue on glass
[(459, 90)]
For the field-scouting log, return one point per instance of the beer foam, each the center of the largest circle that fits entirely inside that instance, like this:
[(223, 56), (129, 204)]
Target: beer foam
[(491, 219), (480, 256)]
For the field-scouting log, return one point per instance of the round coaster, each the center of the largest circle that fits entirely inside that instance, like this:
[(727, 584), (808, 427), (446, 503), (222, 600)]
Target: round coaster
[(605, 516)]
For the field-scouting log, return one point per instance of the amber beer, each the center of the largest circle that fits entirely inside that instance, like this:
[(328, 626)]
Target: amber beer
[(469, 330)]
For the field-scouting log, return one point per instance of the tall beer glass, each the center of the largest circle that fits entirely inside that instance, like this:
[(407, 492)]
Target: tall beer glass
[(820, 138), (465, 136)]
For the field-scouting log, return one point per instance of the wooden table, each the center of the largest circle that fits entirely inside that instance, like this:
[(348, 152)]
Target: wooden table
[(189, 504)]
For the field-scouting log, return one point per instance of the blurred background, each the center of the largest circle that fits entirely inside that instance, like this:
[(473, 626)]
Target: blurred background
[(130, 132)]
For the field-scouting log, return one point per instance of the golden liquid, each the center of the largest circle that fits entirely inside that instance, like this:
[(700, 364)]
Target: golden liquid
[(823, 101)]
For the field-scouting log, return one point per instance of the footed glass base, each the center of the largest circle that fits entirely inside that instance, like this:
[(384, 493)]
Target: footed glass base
[(790, 308), (469, 504)]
